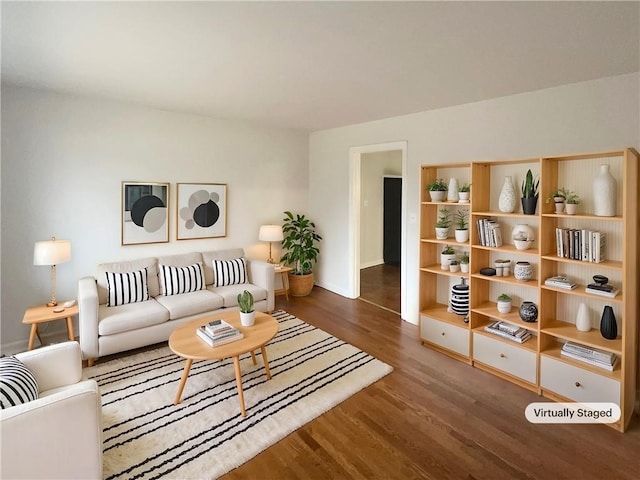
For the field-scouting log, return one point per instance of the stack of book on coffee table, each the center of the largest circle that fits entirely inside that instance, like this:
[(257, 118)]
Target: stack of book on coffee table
[(218, 332), (508, 331), (592, 356)]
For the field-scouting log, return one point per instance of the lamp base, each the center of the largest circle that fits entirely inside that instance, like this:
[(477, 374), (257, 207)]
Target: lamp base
[(52, 304), (270, 260)]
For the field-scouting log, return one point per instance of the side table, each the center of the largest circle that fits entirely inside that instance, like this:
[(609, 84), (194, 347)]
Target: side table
[(284, 274), (42, 314)]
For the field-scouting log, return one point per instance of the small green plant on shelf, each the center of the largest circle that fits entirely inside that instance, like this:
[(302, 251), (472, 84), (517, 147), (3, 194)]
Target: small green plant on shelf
[(558, 196), (503, 297), (504, 303), (462, 219), (464, 258), (448, 250), (437, 185), (444, 220), (571, 197), (466, 187), (530, 185)]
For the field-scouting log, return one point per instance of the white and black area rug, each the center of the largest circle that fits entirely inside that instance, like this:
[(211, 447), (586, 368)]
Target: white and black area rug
[(146, 436)]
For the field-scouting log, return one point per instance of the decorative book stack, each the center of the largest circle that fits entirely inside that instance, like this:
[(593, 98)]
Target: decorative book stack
[(508, 331), (560, 281), (592, 356), (218, 332), (584, 245)]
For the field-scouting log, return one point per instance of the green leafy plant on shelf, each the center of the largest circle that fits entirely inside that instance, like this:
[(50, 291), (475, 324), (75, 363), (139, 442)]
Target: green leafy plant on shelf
[(466, 187), (448, 250), (530, 185), (444, 219), (462, 219), (437, 185)]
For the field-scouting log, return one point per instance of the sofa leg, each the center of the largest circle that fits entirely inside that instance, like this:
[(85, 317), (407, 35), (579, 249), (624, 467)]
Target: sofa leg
[(90, 362)]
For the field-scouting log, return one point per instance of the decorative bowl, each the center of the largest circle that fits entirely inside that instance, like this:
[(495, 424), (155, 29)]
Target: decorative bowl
[(522, 244)]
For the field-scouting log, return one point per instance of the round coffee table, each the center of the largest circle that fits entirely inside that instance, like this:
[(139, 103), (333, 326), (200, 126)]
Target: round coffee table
[(185, 343)]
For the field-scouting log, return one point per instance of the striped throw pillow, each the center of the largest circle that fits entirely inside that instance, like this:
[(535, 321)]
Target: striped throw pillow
[(17, 383), (175, 280), (229, 272), (127, 287)]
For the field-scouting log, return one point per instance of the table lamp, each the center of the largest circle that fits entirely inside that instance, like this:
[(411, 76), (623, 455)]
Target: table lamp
[(52, 252), (270, 233)]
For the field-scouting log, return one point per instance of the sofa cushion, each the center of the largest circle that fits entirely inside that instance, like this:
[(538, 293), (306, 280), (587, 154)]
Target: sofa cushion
[(229, 272), (175, 280), (131, 316), (127, 287), (128, 266), (17, 384), (229, 293), (192, 303), (209, 257)]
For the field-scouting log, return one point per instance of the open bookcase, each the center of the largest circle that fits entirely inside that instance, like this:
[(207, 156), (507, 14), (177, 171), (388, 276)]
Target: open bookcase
[(537, 364)]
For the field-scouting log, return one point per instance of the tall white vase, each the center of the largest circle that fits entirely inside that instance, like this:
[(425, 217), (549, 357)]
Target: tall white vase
[(604, 193), (507, 199), (583, 320), (452, 193)]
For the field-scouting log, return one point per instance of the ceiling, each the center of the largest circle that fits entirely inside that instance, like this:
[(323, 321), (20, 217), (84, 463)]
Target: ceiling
[(314, 65)]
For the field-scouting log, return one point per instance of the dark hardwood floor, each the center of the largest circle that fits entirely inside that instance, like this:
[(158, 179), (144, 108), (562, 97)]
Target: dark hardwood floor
[(433, 417), (380, 285)]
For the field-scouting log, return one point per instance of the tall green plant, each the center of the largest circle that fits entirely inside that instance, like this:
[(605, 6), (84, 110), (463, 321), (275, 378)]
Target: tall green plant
[(299, 243), (530, 186)]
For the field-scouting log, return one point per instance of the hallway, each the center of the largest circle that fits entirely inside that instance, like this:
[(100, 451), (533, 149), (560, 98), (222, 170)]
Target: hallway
[(380, 285)]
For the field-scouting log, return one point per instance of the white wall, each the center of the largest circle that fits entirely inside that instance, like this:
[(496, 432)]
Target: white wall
[(589, 116), (374, 167), (63, 158)]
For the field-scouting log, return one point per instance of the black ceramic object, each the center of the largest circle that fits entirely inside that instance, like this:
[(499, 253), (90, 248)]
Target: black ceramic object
[(600, 279), (488, 271), (608, 326), (528, 312)]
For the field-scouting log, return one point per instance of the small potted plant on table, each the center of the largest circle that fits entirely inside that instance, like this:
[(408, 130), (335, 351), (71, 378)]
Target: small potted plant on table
[(247, 313), (437, 190)]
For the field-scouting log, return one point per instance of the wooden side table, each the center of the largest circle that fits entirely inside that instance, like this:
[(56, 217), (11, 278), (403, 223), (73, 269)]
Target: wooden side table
[(42, 314), (284, 274)]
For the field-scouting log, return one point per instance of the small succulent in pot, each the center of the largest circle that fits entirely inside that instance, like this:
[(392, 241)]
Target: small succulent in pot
[(504, 303), (245, 301)]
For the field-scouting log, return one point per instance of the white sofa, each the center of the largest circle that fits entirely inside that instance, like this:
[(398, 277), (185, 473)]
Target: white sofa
[(105, 330), (58, 435)]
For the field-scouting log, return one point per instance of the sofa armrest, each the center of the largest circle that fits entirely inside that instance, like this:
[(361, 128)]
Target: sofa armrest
[(55, 436), (88, 317), (55, 365), (262, 275)]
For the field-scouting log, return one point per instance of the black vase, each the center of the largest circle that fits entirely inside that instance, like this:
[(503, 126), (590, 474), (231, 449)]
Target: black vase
[(608, 326), (528, 312), (529, 205)]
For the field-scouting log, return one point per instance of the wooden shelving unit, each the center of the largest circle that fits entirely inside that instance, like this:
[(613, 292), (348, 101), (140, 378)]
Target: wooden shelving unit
[(537, 363)]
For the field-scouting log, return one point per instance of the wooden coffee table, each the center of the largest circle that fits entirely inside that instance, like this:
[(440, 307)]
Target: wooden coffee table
[(185, 343)]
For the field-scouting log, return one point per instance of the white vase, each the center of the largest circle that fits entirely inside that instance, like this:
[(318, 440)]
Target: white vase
[(507, 199), (583, 320), (462, 236), (247, 319), (452, 193), (523, 233), (604, 193)]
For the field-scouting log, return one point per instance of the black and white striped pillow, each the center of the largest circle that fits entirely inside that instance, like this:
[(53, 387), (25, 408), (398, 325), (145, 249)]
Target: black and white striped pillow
[(127, 287), (175, 280), (229, 272), (17, 383)]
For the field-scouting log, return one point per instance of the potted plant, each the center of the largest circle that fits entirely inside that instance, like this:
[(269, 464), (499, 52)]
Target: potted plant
[(504, 303), (464, 193), (447, 255), (300, 252), (530, 193), (462, 226), (572, 201), (247, 313), (443, 223), (464, 263), (437, 190), (454, 266), (558, 196)]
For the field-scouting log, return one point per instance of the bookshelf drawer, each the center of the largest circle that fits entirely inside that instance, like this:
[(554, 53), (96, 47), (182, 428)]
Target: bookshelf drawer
[(511, 359), (577, 384), (445, 335)]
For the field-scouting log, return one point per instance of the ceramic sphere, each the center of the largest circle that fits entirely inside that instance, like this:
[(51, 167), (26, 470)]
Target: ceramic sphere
[(528, 312)]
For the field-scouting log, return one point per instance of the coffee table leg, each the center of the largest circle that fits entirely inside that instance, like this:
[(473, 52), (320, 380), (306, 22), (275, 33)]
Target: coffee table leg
[(266, 362), (253, 357), (183, 381), (236, 364)]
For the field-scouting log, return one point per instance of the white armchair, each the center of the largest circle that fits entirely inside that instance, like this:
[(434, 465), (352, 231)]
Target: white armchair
[(59, 435)]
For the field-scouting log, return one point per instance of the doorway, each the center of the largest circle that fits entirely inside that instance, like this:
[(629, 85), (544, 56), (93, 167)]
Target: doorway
[(378, 197)]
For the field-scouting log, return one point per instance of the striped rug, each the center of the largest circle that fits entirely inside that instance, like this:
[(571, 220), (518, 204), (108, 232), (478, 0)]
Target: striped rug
[(146, 436)]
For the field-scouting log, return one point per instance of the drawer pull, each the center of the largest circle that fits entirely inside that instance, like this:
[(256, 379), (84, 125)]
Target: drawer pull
[(443, 334), (578, 384), (502, 355)]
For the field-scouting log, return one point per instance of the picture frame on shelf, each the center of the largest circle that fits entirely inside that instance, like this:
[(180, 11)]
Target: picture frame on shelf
[(144, 213), (201, 210)]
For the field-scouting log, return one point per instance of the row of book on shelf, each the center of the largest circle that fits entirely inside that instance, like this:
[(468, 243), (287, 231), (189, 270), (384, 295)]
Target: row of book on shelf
[(489, 232), (508, 331), (584, 245), (592, 356), (218, 332)]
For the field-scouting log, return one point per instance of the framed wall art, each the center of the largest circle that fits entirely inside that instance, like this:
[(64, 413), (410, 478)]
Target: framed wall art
[(202, 210), (145, 212)]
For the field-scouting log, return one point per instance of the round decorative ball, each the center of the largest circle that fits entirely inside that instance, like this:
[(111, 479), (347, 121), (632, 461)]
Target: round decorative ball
[(528, 312)]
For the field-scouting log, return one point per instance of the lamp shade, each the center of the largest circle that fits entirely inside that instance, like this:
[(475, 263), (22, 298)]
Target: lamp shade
[(52, 252), (270, 233)]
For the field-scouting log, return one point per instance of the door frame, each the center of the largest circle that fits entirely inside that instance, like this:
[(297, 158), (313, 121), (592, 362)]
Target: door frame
[(355, 163)]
